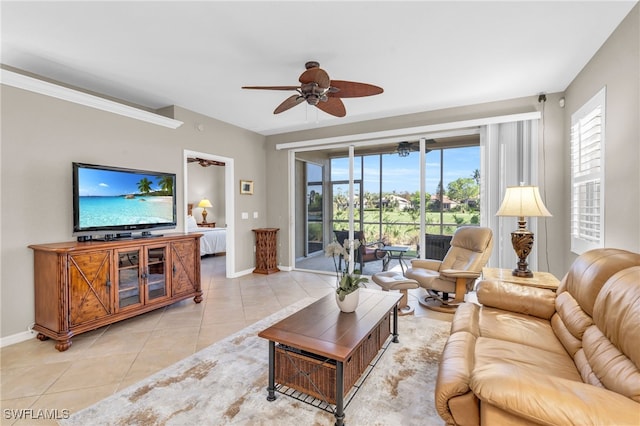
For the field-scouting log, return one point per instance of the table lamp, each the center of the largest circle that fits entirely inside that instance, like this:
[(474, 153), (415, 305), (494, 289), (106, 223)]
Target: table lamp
[(521, 201), (204, 204)]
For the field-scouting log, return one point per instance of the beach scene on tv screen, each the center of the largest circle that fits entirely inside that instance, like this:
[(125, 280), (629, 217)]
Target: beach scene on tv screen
[(113, 198)]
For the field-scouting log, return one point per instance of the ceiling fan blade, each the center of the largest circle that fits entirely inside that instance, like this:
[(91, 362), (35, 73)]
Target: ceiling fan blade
[(290, 102), (272, 87), (352, 89), (333, 106), (316, 75)]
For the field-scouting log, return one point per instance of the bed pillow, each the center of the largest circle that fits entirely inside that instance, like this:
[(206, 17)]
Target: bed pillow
[(192, 225)]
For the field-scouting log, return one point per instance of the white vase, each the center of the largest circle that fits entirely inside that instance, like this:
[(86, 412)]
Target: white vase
[(350, 302)]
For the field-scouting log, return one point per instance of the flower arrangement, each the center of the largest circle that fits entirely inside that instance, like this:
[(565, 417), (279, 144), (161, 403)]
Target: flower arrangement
[(347, 282)]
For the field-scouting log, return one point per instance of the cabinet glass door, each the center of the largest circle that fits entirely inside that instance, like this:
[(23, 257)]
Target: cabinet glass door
[(129, 278), (156, 273)]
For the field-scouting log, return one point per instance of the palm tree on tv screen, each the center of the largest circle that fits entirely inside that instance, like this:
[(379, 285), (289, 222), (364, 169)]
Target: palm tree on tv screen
[(144, 185), (166, 184)]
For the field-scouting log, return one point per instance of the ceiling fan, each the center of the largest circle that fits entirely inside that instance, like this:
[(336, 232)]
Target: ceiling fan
[(319, 90), (405, 148), (203, 162)]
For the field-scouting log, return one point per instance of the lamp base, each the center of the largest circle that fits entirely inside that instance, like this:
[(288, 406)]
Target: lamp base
[(522, 274), (522, 241)]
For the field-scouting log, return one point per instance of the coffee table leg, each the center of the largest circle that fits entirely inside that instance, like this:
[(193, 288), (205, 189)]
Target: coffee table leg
[(272, 368), (339, 393), (395, 324)]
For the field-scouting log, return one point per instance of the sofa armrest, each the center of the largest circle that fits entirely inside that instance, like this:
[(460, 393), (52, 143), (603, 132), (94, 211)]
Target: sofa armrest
[(454, 372), (538, 302), (550, 400), (432, 264)]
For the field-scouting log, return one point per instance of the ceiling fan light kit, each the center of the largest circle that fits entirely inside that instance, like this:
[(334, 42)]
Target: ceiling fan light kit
[(405, 148), (317, 89)]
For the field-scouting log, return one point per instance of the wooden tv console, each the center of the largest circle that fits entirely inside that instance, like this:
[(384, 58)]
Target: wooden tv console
[(81, 286)]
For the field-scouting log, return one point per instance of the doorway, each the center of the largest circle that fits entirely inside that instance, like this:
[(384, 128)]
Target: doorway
[(227, 198)]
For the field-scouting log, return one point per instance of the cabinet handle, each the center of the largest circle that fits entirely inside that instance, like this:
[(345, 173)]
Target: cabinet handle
[(174, 268)]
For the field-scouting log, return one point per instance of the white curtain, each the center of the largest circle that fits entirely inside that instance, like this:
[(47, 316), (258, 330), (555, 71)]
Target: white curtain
[(508, 157)]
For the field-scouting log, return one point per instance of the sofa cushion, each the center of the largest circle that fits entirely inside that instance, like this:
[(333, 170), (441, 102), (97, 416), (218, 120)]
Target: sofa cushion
[(575, 319), (612, 345), (525, 357), (534, 301), (591, 270), (505, 325), (540, 398)]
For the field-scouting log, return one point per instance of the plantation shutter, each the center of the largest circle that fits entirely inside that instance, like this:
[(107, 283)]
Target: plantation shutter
[(587, 172)]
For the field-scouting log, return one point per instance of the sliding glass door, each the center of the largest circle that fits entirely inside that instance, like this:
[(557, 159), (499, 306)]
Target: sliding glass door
[(314, 209)]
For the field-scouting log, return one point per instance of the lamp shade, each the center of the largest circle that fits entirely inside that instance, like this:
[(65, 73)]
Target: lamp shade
[(521, 201), (204, 203)]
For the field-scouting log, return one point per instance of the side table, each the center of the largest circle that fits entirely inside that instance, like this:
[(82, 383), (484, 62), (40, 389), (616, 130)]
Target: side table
[(393, 252), (266, 251), (539, 279)]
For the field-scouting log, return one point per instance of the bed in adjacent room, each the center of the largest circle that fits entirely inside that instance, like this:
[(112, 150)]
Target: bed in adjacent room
[(213, 240)]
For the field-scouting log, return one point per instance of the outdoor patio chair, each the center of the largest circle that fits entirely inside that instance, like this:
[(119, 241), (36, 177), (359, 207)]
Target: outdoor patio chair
[(367, 252)]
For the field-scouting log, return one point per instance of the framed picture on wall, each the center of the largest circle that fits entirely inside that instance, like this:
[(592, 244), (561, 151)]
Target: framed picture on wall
[(246, 187)]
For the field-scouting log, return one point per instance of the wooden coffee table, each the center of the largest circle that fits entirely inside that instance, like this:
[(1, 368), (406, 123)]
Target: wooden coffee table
[(319, 346)]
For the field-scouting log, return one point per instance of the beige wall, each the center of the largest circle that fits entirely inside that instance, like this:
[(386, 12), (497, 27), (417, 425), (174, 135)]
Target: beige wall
[(42, 136), (617, 66)]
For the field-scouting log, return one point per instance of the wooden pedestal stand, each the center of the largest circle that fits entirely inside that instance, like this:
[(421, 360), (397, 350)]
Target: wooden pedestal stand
[(266, 251)]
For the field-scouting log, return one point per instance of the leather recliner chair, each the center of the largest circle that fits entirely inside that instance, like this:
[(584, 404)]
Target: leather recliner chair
[(470, 250)]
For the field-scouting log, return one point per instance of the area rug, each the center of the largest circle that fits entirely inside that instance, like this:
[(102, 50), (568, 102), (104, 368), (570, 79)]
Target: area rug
[(225, 384)]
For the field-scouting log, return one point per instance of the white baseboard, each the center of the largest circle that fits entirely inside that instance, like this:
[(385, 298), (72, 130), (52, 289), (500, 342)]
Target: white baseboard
[(250, 271), (16, 338), (242, 273)]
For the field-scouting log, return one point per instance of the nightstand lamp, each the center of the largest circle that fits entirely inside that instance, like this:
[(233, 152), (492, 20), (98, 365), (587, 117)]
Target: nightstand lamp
[(204, 204), (522, 201)]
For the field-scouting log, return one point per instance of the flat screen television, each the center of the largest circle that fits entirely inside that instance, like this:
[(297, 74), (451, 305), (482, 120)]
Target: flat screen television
[(113, 202)]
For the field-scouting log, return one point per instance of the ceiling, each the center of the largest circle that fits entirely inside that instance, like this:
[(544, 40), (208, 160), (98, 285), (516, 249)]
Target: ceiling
[(427, 55)]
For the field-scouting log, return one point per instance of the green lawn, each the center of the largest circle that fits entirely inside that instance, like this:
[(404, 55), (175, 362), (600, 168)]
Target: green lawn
[(399, 227)]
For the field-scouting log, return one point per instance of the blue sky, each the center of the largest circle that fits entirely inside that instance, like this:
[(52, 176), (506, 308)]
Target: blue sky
[(106, 183), (403, 173)]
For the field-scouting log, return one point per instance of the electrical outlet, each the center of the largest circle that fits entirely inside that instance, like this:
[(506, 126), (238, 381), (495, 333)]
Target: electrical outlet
[(245, 215), (255, 215)]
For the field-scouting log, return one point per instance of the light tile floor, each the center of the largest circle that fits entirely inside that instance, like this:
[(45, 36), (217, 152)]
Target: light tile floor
[(37, 378)]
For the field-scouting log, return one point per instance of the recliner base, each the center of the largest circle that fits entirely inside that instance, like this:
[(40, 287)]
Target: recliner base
[(436, 305)]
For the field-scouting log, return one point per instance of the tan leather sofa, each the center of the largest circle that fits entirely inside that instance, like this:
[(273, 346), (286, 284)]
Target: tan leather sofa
[(530, 356)]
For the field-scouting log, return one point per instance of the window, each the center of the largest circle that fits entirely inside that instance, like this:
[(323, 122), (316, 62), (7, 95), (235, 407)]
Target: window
[(587, 172), (387, 193)]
